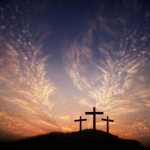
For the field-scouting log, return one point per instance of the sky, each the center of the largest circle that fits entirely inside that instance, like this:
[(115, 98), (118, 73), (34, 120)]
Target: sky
[(61, 58)]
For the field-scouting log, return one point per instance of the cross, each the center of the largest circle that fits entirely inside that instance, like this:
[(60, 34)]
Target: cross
[(108, 120), (94, 113), (80, 120)]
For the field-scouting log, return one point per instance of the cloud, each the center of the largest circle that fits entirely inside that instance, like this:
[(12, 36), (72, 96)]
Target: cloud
[(65, 118), (85, 102), (109, 63), (25, 90)]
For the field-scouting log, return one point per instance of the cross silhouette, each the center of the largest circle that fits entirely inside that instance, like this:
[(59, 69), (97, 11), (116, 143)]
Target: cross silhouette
[(94, 113), (80, 120), (108, 120)]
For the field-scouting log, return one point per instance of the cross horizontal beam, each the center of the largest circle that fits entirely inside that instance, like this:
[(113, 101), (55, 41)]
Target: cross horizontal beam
[(108, 120), (91, 113), (80, 120)]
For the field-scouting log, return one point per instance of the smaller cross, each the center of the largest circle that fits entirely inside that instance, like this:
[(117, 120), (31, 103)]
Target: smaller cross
[(80, 120), (108, 120)]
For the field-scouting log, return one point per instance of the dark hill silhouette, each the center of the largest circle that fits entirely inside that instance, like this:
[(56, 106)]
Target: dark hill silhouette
[(87, 139)]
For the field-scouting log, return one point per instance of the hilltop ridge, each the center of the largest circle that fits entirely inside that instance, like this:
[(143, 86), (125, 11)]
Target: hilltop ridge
[(87, 139)]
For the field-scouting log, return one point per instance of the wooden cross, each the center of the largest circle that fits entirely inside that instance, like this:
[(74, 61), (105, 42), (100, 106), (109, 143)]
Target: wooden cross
[(94, 113), (108, 120), (80, 120)]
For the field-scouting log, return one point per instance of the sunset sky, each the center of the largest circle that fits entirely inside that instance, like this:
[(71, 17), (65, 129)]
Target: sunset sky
[(61, 58)]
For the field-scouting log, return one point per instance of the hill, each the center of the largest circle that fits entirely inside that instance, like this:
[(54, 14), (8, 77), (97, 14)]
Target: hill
[(87, 139)]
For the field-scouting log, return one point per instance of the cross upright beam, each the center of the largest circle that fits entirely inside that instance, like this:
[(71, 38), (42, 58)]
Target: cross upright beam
[(108, 120), (94, 113), (80, 120)]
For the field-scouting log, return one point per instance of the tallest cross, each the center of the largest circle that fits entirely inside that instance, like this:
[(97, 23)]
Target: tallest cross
[(94, 113)]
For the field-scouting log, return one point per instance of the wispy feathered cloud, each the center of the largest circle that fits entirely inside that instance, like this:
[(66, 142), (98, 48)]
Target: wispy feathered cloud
[(25, 91), (25, 87), (110, 64)]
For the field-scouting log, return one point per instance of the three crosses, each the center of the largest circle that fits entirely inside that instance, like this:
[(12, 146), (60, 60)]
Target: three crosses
[(94, 113)]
